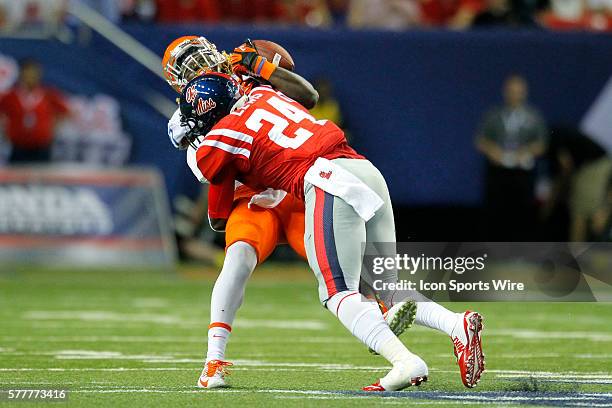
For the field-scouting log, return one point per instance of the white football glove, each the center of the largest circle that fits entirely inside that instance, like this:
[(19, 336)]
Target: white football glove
[(177, 132), (268, 198)]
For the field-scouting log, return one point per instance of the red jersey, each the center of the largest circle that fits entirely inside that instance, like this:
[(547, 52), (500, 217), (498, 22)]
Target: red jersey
[(31, 116), (270, 142)]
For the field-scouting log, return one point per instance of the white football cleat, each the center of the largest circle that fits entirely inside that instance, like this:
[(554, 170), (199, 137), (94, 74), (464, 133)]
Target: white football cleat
[(399, 318), (468, 348), (213, 375), (405, 374)]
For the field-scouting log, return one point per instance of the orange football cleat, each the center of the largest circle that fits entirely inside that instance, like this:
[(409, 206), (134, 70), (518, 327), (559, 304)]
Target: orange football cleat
[(213, 375)]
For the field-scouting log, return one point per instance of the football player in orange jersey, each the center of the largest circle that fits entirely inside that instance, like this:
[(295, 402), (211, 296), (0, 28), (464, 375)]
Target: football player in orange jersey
[(256, 221)]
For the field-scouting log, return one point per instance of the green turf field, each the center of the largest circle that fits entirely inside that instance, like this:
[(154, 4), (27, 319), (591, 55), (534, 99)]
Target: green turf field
[(138, 339)]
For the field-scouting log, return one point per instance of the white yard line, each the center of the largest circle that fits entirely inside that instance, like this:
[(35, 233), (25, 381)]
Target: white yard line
[(580, 381), (168, 319), (158, 339), (256, 365), (596, 336), (150, 302), (101, 315), (110, 339)]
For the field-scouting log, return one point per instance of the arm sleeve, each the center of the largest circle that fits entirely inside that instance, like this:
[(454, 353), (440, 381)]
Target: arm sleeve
[(220, 198)]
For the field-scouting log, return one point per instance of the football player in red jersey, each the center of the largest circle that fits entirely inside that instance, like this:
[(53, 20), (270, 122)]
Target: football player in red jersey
[(267, 140), (257, 219)]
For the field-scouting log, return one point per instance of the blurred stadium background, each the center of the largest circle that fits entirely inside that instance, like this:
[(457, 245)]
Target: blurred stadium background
[(414, 83)]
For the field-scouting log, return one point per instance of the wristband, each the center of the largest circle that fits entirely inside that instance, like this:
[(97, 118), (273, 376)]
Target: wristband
[(263, 68)]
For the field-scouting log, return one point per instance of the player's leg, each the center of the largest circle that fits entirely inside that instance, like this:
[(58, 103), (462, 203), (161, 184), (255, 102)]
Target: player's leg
[(291, 213), (251, 235), (333, 238), (380, 233), (464, 329)]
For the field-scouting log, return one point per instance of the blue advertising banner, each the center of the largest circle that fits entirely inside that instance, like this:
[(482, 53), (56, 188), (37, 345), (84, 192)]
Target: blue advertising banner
[(71, 215)]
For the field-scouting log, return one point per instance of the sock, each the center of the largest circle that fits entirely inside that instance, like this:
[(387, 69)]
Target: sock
[(365, 321), (432, 315), (227, 295), (429, 313), (218, 336)]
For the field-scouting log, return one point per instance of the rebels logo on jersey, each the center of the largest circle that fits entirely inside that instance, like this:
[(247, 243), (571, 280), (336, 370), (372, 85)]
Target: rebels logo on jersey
[(271, 141)]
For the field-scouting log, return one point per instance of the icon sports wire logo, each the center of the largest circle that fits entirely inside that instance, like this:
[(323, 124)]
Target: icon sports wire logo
[(404, 262)]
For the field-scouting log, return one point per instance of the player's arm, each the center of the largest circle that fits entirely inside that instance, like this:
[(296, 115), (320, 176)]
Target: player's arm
[(294, 86), (217, 160), (246, 58), (220, 200)]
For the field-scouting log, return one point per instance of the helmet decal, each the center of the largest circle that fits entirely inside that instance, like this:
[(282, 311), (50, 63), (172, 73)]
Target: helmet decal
[(205, 101), (205, 106), (190, 94)]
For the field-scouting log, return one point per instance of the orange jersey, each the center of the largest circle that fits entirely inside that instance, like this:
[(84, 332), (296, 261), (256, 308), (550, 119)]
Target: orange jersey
[(265, 228), (262, 228)]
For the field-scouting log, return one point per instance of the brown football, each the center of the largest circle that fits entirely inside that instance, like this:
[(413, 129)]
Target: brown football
[(275, 54)]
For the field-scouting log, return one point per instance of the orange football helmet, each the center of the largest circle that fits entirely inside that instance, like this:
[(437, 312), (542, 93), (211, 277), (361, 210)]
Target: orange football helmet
[(188, 56)]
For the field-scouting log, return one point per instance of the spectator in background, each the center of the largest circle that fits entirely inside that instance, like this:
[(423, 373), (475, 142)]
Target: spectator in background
[(184, 11), (582, 170), (338, 11), (457, 14), (17, 14), (601, 224), (386, 14), (108, 8), (327, 107), (527, 11), (31, 112), (496, 13), (138, 10), (257, 11), (316, 13), (592, 15), (508, 13), (511, 137)]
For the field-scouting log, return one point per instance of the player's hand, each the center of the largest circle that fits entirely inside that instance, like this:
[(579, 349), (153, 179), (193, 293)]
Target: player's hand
[(245, 59), (244, 56), (177, 131)]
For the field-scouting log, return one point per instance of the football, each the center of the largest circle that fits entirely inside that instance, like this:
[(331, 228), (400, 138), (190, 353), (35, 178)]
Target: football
[(275, 54)]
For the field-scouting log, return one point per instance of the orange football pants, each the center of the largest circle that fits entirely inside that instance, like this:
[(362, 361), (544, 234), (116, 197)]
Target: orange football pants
[(265, 228)]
